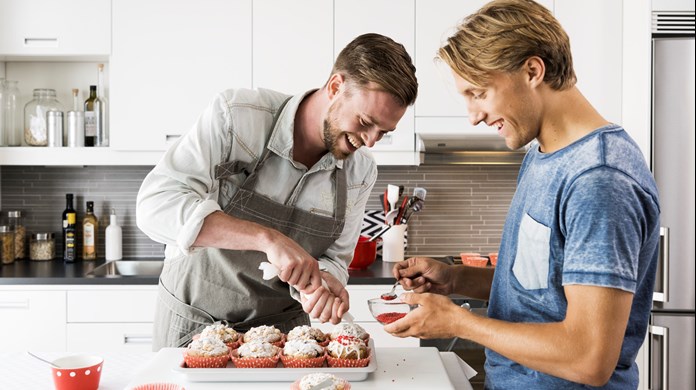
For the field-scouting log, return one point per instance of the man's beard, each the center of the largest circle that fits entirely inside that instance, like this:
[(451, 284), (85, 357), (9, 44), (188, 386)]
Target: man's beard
[(331, 140)]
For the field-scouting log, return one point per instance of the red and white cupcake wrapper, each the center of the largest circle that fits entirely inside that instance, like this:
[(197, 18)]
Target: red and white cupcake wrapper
[(249, 362), (206, 361), (298, 362), (343, 363)]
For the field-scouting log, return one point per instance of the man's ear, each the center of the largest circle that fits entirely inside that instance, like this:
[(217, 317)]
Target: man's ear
[(334, 85), (535, 70)]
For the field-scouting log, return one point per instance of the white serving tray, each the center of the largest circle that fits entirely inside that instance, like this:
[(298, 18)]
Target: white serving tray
[(278, 374)]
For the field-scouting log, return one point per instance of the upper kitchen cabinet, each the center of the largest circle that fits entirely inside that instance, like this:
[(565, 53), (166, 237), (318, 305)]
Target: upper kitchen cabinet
[(293, 44), (63, 28), (169, 61), (595, 31), (356, 17)]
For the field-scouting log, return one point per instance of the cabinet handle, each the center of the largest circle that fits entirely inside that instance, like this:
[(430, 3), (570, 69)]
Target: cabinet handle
[(41, 42), (171, 137), (663, 296), (15, 304), (137, 339), (664, 355)]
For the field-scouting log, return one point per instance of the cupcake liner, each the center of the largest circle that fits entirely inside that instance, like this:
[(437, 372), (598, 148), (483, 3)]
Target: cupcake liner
[(343, 363), (298, 362), (241, 362), (206, 361), (159, 386)]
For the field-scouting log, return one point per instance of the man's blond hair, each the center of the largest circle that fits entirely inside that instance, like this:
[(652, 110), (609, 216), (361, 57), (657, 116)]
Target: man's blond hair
[(502, 35)]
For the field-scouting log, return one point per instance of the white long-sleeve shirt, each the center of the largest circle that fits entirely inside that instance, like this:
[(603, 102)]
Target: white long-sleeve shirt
[(181, 190)]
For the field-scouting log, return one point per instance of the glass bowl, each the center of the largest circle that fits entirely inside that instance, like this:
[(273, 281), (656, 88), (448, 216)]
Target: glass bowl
[(386, 312)]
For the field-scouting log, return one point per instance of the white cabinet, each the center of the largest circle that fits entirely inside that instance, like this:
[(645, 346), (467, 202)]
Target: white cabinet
[(359, 294), (108, 319), (32, 320), (293, 44), (597, 50), (55, 28), (356, 17), (169, 60)]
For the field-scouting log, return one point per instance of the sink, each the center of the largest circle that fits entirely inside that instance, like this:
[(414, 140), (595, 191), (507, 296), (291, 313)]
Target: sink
[(119, 268)]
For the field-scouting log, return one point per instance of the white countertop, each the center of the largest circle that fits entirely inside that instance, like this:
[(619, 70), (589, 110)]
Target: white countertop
[(399, 368)]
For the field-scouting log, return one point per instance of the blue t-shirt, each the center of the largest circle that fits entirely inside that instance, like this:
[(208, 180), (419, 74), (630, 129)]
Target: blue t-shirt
[(587, 214)]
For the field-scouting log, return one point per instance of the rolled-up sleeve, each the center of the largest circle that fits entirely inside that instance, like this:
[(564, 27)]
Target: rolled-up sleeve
[(181, 190)]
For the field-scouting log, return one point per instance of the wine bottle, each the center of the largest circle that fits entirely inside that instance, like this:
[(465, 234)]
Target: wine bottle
[(102, 131), (93, 117), (90, 229), (69, 230)]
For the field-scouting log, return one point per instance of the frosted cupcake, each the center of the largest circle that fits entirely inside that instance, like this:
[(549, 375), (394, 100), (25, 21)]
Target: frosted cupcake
[(299, 353), (347, 351), (228, 335), (206, 352), (255, 354), (268, 334), (304, 332), (310, 381), (349, 329)]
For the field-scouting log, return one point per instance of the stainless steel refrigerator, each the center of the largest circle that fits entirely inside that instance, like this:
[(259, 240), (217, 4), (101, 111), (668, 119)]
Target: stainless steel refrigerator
[(671, 331)]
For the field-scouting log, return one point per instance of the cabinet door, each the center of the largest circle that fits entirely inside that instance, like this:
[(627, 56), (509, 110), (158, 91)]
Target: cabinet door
[(395, 20), (595, 31), (440, 110), (118, 305), (293, 44), (169, 61), (32, 320), (115, 337), (50, 27)]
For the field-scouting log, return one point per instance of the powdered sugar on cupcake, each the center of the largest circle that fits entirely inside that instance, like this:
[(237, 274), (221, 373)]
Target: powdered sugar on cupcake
[(310, 381), (207, 346), (263, 333), (257, 349)]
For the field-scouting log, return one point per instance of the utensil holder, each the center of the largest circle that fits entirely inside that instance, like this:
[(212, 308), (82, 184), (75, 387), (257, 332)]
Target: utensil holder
[(393, 243)]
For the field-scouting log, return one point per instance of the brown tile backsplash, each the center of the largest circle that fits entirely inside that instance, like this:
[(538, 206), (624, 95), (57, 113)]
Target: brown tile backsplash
[(464, 209)]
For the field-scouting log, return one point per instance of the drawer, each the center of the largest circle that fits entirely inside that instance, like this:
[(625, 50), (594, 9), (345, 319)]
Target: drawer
[(32, 320), (125, 337), (111, 305)]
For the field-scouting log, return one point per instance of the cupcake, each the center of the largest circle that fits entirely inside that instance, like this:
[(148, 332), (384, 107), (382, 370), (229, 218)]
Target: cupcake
[(347, 351), (349, 329), (206, 352), (300, 353), (310, 381), (228, 335), (268, 334), (255, 354), (304, 332)]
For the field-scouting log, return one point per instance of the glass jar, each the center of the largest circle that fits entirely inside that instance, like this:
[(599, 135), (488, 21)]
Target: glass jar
[(14, 219), (12, 114), (7, 254), (42, 246), (35, 133)]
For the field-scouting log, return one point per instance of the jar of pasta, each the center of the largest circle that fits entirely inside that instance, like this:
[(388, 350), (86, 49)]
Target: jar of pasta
[(7, 255), (42, 246), (14, 219)]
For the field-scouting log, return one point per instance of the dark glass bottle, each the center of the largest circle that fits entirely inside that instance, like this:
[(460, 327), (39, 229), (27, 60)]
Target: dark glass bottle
[(69, 230), (93, 117)]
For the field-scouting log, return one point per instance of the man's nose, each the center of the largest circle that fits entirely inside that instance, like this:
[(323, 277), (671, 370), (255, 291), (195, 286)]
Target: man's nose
[(370, 137), (475, 116)]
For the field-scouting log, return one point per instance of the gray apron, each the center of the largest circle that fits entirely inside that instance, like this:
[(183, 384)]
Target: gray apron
[(211, 284)]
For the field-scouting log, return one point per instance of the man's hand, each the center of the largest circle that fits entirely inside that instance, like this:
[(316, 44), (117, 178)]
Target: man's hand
[(422, 274), (437, 317), (327, 303), (295, 266)]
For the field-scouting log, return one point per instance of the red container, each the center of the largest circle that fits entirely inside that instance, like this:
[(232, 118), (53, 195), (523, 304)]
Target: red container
[(365, 253), (77, 372)]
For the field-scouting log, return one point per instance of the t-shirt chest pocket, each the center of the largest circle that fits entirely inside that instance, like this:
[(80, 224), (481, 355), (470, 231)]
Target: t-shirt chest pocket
[(531, 267)]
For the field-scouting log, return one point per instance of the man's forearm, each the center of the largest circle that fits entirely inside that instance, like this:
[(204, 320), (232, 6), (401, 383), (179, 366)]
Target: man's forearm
[(223, 231)]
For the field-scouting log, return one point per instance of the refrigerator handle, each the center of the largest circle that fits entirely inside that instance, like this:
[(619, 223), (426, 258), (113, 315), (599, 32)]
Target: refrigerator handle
[(663, 296), (659, 331)]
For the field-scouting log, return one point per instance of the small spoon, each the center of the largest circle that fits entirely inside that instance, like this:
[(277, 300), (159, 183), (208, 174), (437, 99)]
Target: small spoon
[(391, 295), (43, 360)]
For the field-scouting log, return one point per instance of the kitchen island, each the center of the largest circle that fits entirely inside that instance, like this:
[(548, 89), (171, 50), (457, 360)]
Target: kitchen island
[(397, 368)]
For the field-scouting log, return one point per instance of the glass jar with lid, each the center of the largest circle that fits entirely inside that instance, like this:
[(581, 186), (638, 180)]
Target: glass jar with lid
[(35, 131), (42, 246), (7, 254), (14, 219)]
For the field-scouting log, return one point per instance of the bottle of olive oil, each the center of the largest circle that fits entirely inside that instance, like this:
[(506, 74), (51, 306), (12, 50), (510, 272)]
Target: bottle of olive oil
[(69, 230), (90, 229), (93, 117)]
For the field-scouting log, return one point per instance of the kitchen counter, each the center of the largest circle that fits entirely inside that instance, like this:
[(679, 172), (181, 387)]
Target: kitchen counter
[(398, 368), (56, 272)]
